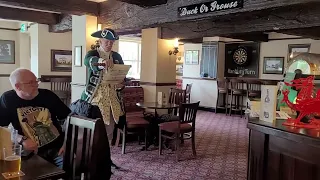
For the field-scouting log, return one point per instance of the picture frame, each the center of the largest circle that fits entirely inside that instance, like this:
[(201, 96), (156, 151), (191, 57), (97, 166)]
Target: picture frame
[(7, 52), (295, 49), (77, 56), (61, 60), (273, 65), (192, 57)]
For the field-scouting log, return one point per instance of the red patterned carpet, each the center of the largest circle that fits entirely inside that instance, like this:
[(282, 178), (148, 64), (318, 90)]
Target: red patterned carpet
[(221, 144)]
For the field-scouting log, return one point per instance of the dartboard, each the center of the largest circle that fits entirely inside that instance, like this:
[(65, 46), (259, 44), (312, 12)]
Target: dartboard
[(240, 56)]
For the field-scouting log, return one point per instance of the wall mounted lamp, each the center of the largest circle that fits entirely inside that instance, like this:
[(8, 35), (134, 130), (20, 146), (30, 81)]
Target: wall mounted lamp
[(175, 47)]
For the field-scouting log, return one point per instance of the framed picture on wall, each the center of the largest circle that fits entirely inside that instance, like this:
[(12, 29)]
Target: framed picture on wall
[(296, 49), (192, 57), (7, 53), (273, 65), (61, 60), (77, 56)]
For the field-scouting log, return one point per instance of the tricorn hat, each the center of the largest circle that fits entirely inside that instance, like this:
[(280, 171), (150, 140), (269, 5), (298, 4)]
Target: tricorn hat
[(106, 34)]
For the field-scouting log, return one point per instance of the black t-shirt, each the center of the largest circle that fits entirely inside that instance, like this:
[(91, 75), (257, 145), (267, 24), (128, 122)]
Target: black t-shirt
[(36, 118)]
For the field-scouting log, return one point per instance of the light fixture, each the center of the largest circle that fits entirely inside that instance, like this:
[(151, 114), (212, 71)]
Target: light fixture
[(99, 26), (175, 47)]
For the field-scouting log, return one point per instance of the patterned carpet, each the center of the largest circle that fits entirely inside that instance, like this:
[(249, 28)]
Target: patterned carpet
[(221, 144)]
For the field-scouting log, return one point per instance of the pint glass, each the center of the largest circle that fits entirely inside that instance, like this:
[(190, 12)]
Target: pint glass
[(12, 159)]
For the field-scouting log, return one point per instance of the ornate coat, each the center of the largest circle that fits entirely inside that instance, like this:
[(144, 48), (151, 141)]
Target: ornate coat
[(103, 95)]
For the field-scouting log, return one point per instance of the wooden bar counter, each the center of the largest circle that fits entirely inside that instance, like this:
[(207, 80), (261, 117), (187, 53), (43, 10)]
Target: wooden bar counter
[(278, 152)]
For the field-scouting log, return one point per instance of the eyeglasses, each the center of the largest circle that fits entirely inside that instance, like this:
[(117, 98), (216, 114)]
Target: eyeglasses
[(37, 82)]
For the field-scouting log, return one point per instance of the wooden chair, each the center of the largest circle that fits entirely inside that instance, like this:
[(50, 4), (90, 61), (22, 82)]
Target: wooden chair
[(223, 91), (187, 115), (237, 94), (188, 92), (177, 96), (133, 125), (87, 151), (61, 87)]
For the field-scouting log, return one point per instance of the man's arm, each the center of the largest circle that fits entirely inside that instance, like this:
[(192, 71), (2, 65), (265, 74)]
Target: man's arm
[(91, 58)]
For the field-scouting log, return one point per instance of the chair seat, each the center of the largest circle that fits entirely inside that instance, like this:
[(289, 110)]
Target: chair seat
[(136, 122), (173, 127), (222, 90), (254, 93), (134, 113), (237, 91)]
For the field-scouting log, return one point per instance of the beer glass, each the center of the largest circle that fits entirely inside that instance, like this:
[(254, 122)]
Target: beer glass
[(12, 159)]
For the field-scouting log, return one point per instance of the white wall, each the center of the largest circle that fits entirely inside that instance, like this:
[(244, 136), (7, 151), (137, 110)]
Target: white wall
[(22, 54), (279, 48), (32, 50), (192, 70)]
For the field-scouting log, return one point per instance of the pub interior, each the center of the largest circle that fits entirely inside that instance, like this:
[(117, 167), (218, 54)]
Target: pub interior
[(203, 97)]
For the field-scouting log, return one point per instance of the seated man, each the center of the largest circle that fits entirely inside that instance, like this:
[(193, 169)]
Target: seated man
[(34, 113)]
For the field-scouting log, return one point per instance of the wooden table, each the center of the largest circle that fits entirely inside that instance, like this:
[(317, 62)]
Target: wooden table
[(278, 152), (36, 168)]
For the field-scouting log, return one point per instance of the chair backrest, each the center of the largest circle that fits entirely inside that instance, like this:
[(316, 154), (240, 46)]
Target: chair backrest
[(188, 112), (177, 96), (236, 84), (253, 85), (131, 96), (188, 88), (60, 84), (87, 149), (222, 83)]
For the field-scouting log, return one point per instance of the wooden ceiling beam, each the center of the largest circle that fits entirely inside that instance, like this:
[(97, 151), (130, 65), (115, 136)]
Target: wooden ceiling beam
[(123, 16), (272, 20), (256, 37), (28, 15), (145, 3), (64, 25), (76, 7), (312, 33)]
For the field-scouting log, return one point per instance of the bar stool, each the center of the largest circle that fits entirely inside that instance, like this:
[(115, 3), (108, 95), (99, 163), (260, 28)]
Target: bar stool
[(222, 91), (253, 89), (237, 93)]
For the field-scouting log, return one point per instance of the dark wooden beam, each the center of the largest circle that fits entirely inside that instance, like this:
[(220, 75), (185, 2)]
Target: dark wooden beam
[(123, 16), (64, 25), (76, 7), (145, 3), (303, 16), (28, 15), (256, 37), (194, 41), (312, 33)]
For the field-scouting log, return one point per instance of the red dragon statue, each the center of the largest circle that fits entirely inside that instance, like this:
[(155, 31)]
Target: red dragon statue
[(306, 104)]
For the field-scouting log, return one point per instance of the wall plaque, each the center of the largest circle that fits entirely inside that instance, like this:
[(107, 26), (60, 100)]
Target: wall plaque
[(208, 7)]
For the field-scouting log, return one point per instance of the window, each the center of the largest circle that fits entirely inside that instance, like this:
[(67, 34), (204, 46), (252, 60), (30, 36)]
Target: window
[(131, 55), (209, 59)]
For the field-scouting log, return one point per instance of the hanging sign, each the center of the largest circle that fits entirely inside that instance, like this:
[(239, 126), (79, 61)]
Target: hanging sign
[(208, 7)]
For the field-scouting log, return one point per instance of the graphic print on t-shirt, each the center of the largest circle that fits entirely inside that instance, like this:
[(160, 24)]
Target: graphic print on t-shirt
[(36, 124)]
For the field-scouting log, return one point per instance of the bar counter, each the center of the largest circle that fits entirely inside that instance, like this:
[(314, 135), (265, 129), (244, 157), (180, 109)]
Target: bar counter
[(278, 152)]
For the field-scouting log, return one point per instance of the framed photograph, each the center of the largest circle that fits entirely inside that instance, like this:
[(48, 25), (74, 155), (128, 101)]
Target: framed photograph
[(61, 60), (273, 65), (192, 57), (7, 53), (296, 49), (78, 56)]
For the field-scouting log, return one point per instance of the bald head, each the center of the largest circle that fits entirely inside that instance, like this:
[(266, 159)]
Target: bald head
[(19, 75), (24, 82)]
